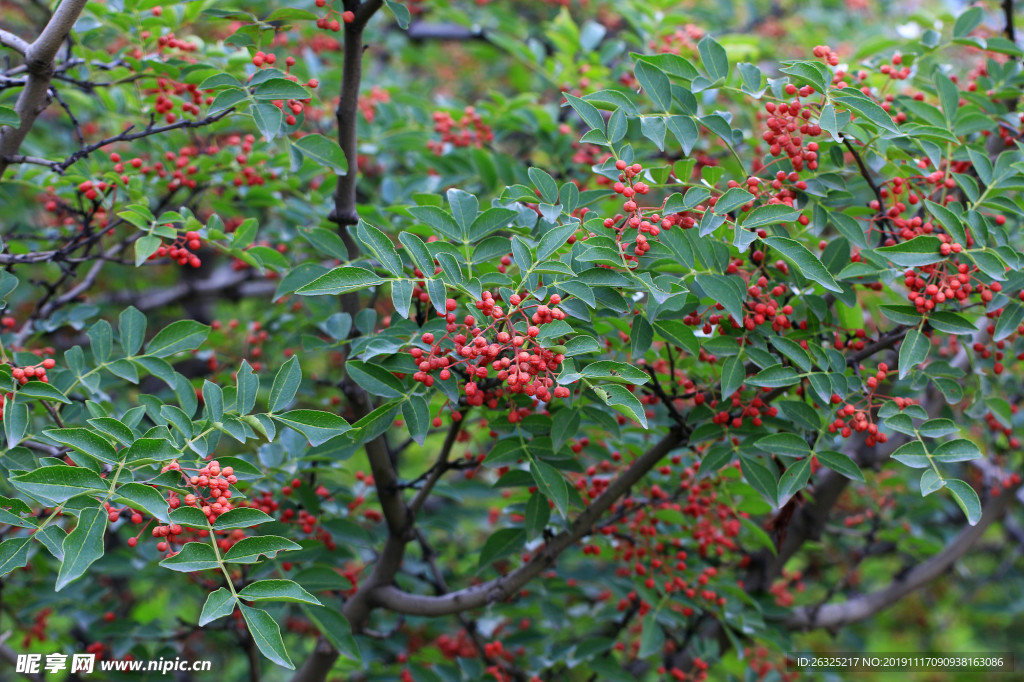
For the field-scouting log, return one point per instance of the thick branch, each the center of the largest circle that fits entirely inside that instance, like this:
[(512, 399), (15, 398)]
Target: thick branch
[(344, 212), (8, 39), (396, 600), (1009, 30), (35, 96), (864, 606)]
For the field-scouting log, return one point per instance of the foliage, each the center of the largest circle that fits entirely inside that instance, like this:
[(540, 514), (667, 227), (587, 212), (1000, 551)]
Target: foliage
[(563, 353)]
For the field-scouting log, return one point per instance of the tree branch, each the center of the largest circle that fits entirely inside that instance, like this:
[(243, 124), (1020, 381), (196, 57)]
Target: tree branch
[(9, 40), (394, 599), (35, 96), (344, 212), (864, 606), (1008, 29)]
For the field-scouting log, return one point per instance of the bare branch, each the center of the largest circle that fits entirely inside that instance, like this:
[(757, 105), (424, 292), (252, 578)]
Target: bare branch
[(396, 600), (9, 40), (35, 96), (864, 606), (344, 212)]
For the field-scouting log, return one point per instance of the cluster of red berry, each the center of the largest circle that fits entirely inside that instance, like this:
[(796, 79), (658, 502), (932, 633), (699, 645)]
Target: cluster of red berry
[(329, 21), (629, 186), (181, 250), (468, 131), (516, 358)]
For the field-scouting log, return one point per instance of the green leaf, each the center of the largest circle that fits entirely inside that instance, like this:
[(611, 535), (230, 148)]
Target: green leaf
[(176, 337), (913, 351), (465, 208), (854, 99), (618, 396), (838, 462), (277, 590), (9, 117), (686, 132), (936, 428), (965, 23), (401, 12), (381, 247), (641, 334), (58, 483), (551, 484), (248, 550), (1008, 322), (949, 220), (951, 323), (538, 513), (219, 603), (849, 227), (921, 250), (656, 84), (241, 517), (968, 500), (720, 289), (318, 427), (37, 389), (151, 449), (678, 333), (587, 111), (930, 482), (13, 554), (775, 376), (267, 635), (194, 556), (101, 339), (652, 637), (958, 450), (144, 498), (374, 379), (912, 454), (489, 221), (335, 628), (544, 183), (501, 544), (280, 88), (615, 371), (760, 478), (16, 420), (340, 281), (146, 246), (770, 214), (784, 444), (416, 413), (733, 375), (213, 398), (794, 479), (268, 119), (805, 262), (132, 329), (324, 151), (733, 198), (247, 385), (286, 383), (714, 58), (82, 546)]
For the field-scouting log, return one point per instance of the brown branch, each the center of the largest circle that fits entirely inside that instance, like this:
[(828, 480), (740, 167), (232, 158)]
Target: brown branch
[(864, 606), (398, 601), (1008, 29), (126, 136), (344, 212), (9, 40), (39, 59)]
